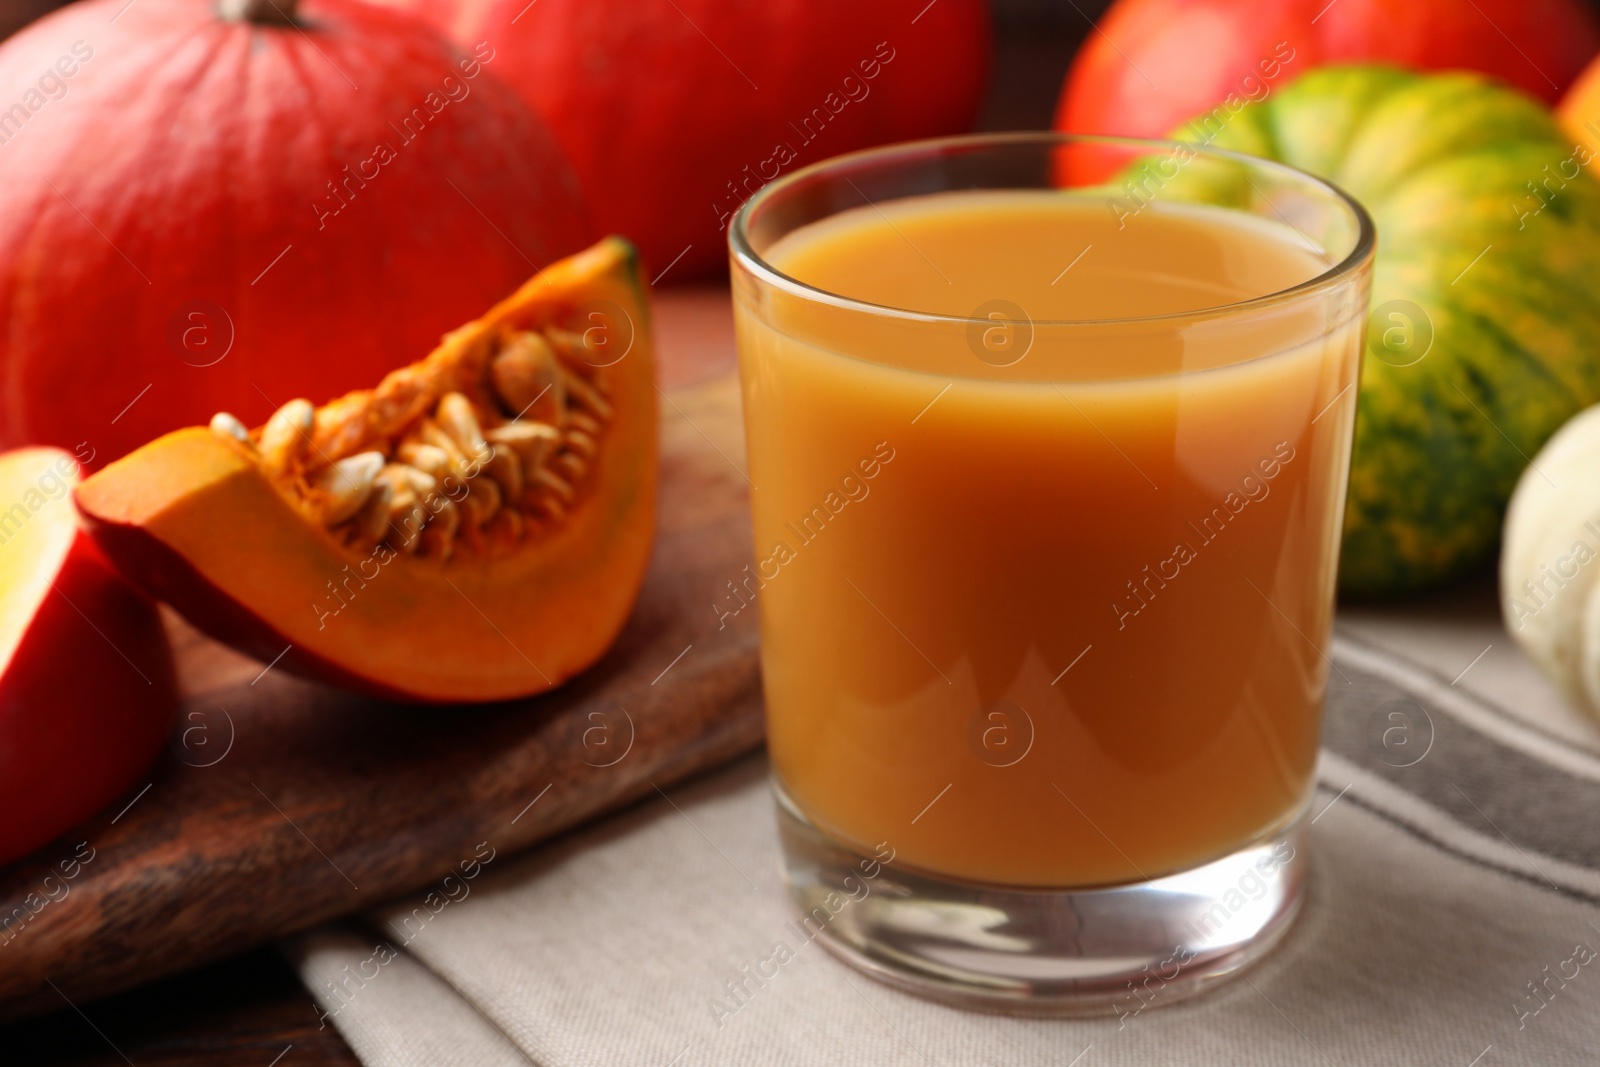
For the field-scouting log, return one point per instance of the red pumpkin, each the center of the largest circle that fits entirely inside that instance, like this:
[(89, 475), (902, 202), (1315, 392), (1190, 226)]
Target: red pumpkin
[(204, 211), (1154, 64), (674, 111)]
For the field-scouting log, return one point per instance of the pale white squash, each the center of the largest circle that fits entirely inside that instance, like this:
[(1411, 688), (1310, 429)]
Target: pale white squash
[(1550, 560)]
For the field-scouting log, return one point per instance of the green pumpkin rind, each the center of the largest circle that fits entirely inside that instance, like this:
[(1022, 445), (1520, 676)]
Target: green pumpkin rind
[(1443, 164), (1319, 130)]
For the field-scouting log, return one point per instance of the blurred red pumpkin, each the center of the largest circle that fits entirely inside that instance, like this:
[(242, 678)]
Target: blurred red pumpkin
[(675, 111), (1154, 64), (203, 207)]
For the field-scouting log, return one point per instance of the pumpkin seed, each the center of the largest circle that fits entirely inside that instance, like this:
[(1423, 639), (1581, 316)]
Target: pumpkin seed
[(547, 478), (572, 464), (406, 519), (531, 441), (226, 425), (528, 380), (419, 482), (587, 394), (583, 422), (506, 470), (457, 418), (581, 443), (481, 502), (346, 484), (284, 437), (429, 459), (463, 469), (373, 518)]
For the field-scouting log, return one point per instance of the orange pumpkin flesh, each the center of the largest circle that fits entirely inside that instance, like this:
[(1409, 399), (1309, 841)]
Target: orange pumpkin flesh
[(237, 542), (86, 680)]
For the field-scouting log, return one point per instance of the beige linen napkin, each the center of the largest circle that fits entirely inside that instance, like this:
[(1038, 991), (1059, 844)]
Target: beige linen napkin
[(1452, 914)]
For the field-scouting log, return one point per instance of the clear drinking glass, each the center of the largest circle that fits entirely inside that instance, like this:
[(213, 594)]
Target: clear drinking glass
[(1045, 603)]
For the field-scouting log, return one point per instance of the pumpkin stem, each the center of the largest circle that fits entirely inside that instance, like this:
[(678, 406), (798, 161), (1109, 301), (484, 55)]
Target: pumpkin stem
[(259, 12)]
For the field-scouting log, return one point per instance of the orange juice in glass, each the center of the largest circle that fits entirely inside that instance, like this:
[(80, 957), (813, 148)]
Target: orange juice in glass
[(1048, 490)]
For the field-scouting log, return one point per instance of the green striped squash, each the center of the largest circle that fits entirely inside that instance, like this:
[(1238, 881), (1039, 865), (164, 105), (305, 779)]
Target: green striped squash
[(1485, 331)]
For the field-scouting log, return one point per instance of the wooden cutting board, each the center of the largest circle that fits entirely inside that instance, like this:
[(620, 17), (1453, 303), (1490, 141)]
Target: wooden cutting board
[(282, 803)]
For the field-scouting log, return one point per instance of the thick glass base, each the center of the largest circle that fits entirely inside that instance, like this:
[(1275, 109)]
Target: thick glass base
[(1114, 950)]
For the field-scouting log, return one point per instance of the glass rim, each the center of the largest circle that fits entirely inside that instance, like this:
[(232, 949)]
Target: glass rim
[(753, 261)]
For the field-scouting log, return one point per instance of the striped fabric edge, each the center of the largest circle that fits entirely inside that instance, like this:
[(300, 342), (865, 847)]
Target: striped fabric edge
[(1422, 820), (1475, 711)]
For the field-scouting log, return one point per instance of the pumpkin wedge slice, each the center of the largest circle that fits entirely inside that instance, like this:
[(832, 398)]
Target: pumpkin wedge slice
[(475, 528), (87, 691)]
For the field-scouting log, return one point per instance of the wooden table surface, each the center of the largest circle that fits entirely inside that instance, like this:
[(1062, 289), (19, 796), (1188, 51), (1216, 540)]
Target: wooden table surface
[(251, 1010)]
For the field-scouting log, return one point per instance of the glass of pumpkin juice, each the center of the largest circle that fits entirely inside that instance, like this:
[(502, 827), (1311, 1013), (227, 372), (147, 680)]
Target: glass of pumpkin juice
[(1049, 440)]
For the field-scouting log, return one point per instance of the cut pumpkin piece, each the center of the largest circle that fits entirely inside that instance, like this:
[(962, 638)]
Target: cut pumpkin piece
[(86, 682), (475, 528)]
